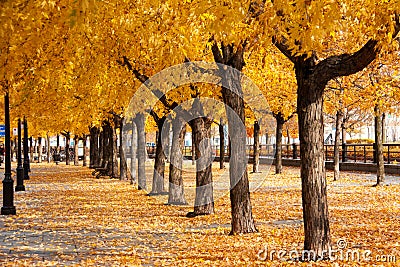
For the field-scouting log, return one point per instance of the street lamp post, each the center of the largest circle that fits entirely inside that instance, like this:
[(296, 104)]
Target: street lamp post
[(8, 184), (20, 170), (26, 156)]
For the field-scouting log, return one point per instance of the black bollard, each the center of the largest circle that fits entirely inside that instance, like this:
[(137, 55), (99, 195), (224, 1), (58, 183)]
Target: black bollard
[(8, 183)]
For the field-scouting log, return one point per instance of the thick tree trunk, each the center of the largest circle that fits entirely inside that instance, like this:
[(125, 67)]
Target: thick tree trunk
[(176, 194), (159, 161), (380, 170), (221, 145), (134, 141), (67, 141), (48, 150), (242, 218), (76, 148), (256, 147), (94, 147), (85, 151), (141, 151), (336, 154), (278, 151), (201, 129), (314, 194), (40, 149)]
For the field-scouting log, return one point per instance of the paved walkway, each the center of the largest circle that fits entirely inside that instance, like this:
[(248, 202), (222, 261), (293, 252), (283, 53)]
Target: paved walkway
[(68, 218)]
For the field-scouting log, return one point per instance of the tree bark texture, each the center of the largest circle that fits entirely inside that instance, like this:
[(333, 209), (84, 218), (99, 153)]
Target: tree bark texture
[(159, 161), (280, 121), (94, 146), (141, 151), (336, 154), (48, 149), (40, 149), (176, 194), (114, 149), (221, 145), (256, 148), (133, 165), (311, 132), (380, 166), (31, 149), (107, 136), (67, 141), (123, 170), (85, 151), (232, 94), (201, 129), (76, 148)]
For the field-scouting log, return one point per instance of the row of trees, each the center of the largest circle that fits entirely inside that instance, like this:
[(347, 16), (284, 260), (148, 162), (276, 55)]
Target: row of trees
[(87, 58)]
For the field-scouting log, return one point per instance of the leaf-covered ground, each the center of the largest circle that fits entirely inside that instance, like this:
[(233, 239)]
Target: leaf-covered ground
[(67, 217)]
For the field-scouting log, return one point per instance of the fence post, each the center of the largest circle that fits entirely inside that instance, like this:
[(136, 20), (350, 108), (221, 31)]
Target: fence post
[(344, 152), (294, 151)]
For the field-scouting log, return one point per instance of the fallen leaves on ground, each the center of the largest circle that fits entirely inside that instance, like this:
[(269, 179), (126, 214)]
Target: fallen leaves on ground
[(68, 217)]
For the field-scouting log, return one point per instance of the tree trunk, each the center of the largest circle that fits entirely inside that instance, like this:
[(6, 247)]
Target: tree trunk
[(123, 169), (85, 151), (176, 194), (134, 141), (201, 129), (107, 136), (193, 150), (336, 154), (67, 141), (278, 151), (159, 161), (221, 145), (232, 94), (383, 127), (13, 142), (94, 147), (48, 148), (256, 147), (311, 133), (40, 149), (114, 149), (76, 148), (58, 144), (100, 157), (31, 149), (380, 170), (141, 151)]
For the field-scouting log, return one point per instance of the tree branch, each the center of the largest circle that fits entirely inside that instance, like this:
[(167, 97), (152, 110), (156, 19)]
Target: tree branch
[(281, 45), (347, 64)]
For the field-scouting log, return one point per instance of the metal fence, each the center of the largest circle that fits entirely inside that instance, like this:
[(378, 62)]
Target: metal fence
[(347, 152)]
